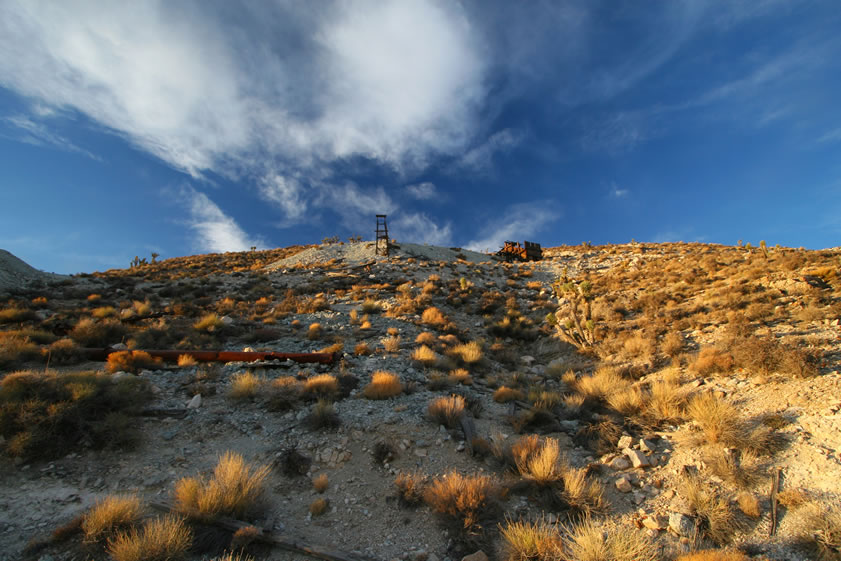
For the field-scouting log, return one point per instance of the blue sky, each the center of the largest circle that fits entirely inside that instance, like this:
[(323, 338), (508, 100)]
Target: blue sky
[(192, 127)]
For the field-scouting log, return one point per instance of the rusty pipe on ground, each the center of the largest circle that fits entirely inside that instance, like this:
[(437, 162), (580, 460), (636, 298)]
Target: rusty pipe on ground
[(222, 356)]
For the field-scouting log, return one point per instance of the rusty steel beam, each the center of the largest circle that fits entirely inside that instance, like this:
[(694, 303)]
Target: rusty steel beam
[(222, 356)]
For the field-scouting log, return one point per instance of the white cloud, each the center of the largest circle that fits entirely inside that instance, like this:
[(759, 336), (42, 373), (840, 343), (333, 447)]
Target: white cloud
[(287, 193), (831, 136), (419, 228), (425, 191), (29, 131), (617, 193), (518, 223), (393, 81), (216, 232)]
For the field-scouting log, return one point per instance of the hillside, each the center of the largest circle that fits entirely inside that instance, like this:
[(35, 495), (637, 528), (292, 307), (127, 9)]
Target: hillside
[(628, 398)]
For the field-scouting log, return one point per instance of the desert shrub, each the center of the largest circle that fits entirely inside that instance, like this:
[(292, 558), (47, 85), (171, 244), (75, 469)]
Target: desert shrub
[(370, 306), (90, 333), (209, 322), (322, 386), (425, 355), (109, 515), (425, 338), (323, 415), (580, 492), (537, 461), (48, 414), (131, 361), (715, 518), (410, 487), (283, 393), (434, 317), (161, 539), (712, 360), (766, 355), (312, 305), (468, 353), (531, 541), (314, 331), (719, 420), (672, 344), (62, 352), (391, 344), (599, 436), (185, 361), (463, 497), (749, 504), (446, 410), (362, 349), (383, 385), (103, 312), (714, 555), (16, 315), (588, 541), (602, 383), (320, 482), (233, 490), (504, 394), (245, 385), (628, 402), (818, 529), (319, 507), (16, 350)]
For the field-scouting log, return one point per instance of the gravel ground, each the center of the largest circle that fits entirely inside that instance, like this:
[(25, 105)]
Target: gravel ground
[(363, 252), (15, 273)]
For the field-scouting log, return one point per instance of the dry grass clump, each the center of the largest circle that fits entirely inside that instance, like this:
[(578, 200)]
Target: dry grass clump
[(468, 353), (319, 506), (185, 361), (16, 350), (589, 541), (320, 482), (99, 334), (161, 539), (818, 529), (383, 385), (504, 394), (532, 541), (581, 492), (370, 306), (131, 361), (362, 349), (425, 338), (16, 315), (713, 555), (749, 504), (538, 461), (446, 410), (602, 383), (719, 420), (667, 399), (323, 415), (629, 401), (767, 355), (425, 355), (391, 344), (716, 519), (314, 331), (103, 312), (712, 360), (45, 414), (245, 385), (463, 497), (321, 385), (209, 322), (109, 515), (410, 487), (672, 344), (434, 317), (233, 490)]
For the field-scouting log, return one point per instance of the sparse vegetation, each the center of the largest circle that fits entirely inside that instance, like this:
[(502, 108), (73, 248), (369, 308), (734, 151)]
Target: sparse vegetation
[(447, 411), (160, 539), (463, 497), (383, 385), (234, 489), (110, 515)]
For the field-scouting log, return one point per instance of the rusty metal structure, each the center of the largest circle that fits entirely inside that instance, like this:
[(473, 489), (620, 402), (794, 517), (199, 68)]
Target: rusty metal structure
[(223, 356), (513, 251), (382, 236)]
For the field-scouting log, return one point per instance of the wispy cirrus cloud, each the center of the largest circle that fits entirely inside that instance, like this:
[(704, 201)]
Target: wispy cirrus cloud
[(425, 191), (25, 129), (215, 231)]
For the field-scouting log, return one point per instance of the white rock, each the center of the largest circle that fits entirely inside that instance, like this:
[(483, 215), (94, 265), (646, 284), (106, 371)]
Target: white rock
[(625, 442), (623, 485), (637, 458), (195, 403)]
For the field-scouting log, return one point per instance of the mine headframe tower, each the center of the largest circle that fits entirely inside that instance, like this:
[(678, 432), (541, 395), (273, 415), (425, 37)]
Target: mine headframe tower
[(382, 235)]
